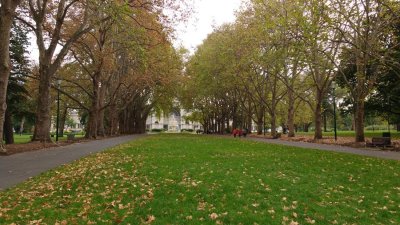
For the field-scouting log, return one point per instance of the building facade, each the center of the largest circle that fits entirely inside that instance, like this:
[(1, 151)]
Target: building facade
[(174, 122)]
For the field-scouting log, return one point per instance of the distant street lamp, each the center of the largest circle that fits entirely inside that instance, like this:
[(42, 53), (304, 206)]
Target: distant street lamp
[(58, 108), (334, 108)]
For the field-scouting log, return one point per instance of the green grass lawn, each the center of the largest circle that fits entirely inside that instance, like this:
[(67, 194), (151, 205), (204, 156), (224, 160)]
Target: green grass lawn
[(199, 179), (25, 138), (369, 133)]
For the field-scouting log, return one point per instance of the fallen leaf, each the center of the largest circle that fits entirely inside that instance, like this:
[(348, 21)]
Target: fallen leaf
[(213, 216), (150, 219), (310, 221)]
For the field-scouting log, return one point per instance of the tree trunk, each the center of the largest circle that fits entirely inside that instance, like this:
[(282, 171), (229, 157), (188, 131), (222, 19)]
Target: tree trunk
[(291, 112), (63, 117), (100, 123), (260, 123), (306, 127), (7, 10), (91, 129), (21, 127), (398, 127), (273, 124), (318, 116), (47, 40), (215, 128), (249, 123), (8, 128), (222, 122), (113, 129), (43, 121), (325, 127), (234, 118), (359, 121)]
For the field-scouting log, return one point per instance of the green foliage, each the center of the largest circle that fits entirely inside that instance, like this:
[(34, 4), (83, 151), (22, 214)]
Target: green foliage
[(70, 122), (368, 133), (26, 138), (157, 130), (187, 130), (19, 102)]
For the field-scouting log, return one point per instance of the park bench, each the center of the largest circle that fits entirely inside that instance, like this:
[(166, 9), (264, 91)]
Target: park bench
[(380, 142)]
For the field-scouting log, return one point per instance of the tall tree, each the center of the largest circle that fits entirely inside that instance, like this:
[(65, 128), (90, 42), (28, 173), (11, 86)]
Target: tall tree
[(323, 46), (365, 29), (7, 13), (54, 24), (17, 95)]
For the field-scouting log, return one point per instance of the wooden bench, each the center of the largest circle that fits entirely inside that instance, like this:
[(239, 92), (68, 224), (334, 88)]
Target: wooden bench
[(380, 142)]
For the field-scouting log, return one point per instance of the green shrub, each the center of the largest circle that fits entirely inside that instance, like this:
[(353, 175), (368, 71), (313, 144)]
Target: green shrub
[(376, 127), (157, 130), (187, 130)]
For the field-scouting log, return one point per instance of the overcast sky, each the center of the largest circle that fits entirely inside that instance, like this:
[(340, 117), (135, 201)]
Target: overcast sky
[(207, 13)]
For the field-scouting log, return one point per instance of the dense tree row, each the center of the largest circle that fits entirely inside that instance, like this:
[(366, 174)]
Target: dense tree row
[(278, 60), (114, 60)]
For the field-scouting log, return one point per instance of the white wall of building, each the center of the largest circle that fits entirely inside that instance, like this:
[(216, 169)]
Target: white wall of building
[(174, 122)]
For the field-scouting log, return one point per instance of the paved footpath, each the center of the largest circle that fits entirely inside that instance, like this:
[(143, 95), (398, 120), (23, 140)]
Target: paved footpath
[(335, 148), (17, 168)]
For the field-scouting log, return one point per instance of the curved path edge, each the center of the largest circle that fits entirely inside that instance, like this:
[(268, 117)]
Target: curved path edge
[(17, 168), (333, 148)]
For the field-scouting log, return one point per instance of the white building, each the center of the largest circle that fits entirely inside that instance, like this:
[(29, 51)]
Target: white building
[(174, 122), (76, 123), (77, 126)]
